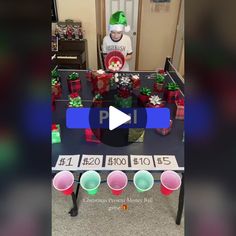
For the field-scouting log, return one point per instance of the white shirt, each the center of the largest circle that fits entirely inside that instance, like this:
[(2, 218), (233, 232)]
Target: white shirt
[(123, 45)]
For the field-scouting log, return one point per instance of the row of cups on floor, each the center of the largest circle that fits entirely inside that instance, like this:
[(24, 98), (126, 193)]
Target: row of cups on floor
[(117, 181)]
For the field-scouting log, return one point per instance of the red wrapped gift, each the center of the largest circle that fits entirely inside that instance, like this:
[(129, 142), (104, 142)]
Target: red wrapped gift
[(144, 96), (101, 81), (180, 109), (124, 92), (171, 93), (53, 103), (155, 102), (56, 88), (165, 131), (74, 83), (136, 81), (93, 135), (158, 85)]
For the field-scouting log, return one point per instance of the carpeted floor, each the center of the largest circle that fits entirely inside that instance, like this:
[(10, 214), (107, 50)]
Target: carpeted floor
[(148, 213)]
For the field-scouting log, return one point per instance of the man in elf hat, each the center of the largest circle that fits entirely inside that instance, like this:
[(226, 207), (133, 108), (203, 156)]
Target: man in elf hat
[(116, 40)]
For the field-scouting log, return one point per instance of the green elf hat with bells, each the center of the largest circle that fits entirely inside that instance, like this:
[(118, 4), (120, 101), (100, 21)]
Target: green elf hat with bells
[(118, 22)]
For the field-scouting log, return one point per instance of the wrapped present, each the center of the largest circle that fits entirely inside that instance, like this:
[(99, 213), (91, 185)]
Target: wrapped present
[(171, 93), (92, 136), (75, 100), (56, 88), (123, 102), (74, 82), (165, 131), (158, 85), (144, 95), (180, 109), (155, 102), (136, 135), (97, 100), (56, 133), (53, 102), (136, 81), (101, 81)]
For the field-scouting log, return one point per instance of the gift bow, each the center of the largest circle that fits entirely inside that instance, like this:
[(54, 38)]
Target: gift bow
[(160, 79), (54, 74), (73, 76), (155, 100), (54, 127), (54, 82), (145, 91), (125, 81), (100, 72), (98, 97), (172, 86), (75, 102), (135, 77)]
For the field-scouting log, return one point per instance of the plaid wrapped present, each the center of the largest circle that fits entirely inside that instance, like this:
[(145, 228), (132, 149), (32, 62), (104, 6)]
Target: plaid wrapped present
[(158, 85), (97, 100), (93, 136), (171, 93), (136, 135), (74, 83), (144, 95), (165, 131), (56, 88), (155, 102), (101, 81), (56, 133), (180, 109), (75, 100), (123, 102), (136, 81)]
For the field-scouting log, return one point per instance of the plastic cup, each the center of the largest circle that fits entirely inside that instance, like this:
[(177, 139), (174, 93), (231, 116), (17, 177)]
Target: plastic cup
[(90, 181), (63, 181), (117, 181), (170, 181), (143, 181)]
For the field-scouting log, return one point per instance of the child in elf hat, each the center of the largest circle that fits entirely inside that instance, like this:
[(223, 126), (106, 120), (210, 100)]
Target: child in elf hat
[(116, 40)]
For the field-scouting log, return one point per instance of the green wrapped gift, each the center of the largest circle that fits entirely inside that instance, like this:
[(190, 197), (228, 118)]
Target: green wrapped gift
[(136, 135), (123, 102), (56, 134)]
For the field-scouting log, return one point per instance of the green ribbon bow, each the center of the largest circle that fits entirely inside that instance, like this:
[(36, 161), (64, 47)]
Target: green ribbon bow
[(160, 79), (145, 91), (118, 18), (54, 82), (172, 86), (54, 74), (75, 102), (73, 76), (98, 97)]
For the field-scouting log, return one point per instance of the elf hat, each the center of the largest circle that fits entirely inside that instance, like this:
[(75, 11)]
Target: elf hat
[(118, 22)]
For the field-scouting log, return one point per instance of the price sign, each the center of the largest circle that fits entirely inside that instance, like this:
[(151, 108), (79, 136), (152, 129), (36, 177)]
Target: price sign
[(67, 162), (116, 162), (142, 162), (166, 162), (91, 162)]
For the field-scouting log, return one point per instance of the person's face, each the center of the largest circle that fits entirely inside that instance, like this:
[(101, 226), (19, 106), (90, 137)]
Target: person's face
[(116, 35)]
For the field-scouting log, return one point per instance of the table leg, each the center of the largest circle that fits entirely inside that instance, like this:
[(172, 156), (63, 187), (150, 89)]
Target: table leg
[(78, 185), (181, 203), (74, 210)]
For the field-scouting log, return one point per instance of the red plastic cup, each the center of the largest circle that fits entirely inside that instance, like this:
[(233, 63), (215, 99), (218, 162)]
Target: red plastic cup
[(170, 181), (117, 181), (63, 182)]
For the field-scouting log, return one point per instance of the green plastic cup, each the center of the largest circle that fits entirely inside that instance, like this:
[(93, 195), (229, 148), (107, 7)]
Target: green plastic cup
[(143, 181), (90, 181)]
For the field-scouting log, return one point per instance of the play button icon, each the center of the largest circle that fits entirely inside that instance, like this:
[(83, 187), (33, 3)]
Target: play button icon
[(117, 118)]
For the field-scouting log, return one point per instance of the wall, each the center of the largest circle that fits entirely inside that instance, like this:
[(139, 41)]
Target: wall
[(84, 10), (157, 34), (181, 64)]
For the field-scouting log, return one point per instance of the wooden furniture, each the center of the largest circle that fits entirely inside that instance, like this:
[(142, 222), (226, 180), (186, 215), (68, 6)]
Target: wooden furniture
[(72, 54)]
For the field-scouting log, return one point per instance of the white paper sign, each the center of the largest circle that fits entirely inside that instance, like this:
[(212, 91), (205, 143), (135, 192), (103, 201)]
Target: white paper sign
[(142, 162), (166, 162), (91, 162), (67, 162), (116, 162)]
